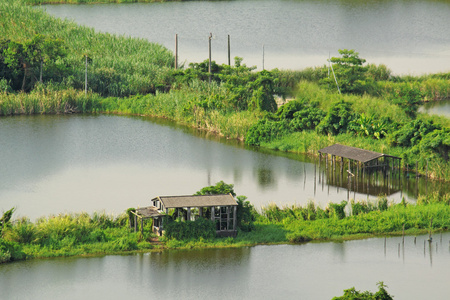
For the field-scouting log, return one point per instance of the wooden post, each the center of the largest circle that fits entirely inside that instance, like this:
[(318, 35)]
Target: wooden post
[(40, 73), (212, 213), (431, 226), (209, 65), (176, 51), (403, 235), (188, 214), (85, 77), (235, 218), (135, 223), (229, 52), (200, 212), (142, 226)]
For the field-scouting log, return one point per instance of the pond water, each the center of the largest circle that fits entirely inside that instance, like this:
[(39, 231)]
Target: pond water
[(410, 37), (310, 271), (58, 163), (441, 108), (53, 164)]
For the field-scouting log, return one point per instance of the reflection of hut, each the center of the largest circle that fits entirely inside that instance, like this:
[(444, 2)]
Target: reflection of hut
[(221, 209)]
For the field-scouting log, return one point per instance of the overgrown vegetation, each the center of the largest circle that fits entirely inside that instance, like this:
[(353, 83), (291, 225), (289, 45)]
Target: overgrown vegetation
[(353, 294), (376, 111), (33, 43), (83, 234)]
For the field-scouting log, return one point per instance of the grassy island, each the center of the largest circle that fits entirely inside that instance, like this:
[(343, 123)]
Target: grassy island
[(99, 234)]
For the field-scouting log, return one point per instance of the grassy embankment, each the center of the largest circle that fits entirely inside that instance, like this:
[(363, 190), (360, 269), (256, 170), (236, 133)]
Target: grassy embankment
[(99, 234)]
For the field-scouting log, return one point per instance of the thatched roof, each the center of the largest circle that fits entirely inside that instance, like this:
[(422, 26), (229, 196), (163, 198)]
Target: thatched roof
[(197, 201), (353, 153)]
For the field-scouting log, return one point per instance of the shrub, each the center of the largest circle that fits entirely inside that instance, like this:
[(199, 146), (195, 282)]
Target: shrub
[(337, 119), (10, 251), (266, 130), (200, 228)]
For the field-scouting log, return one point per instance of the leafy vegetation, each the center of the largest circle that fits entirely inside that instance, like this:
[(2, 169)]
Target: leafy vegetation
[(132, 76), (353, 294), (83, 234)]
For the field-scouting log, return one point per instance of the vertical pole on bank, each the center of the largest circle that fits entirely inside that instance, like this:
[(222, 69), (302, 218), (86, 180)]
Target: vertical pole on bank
[(229, 52), (176, 51), (85, 77), (209, 65)]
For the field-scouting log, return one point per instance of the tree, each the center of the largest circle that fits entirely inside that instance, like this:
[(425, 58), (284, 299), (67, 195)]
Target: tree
[(26, 59), (337, 119), (263, 90), (245, 211), (350, 73)]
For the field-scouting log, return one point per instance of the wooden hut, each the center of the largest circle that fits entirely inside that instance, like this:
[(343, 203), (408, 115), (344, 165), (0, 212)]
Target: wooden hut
[(221, 209), (368, 159)]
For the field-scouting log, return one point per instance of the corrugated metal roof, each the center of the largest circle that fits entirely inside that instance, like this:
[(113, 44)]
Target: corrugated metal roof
[(197, 201), (357, 154)]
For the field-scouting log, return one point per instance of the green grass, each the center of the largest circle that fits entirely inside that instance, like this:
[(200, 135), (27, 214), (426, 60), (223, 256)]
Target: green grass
[(98, 234), (120, 66)]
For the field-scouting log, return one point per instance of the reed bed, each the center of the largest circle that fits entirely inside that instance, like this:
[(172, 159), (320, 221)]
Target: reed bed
[(48, 100), (119, 66), (361, 219), (73, 234)]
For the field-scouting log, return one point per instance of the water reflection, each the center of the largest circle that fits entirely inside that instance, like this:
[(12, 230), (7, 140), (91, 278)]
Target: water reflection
[(53, 164), (441, 108), (412, 270)]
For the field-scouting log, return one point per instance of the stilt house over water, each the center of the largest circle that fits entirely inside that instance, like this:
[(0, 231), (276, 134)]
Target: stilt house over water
[(221, 209)]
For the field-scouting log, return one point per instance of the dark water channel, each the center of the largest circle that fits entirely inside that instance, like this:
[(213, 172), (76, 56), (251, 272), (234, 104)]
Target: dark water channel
[(54, 164), (311, 271), (410, 37)]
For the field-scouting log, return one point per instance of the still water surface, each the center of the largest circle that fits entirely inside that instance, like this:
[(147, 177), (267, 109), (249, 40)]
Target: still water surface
[(309, 271), (440, 108), (408, 36), (55, 164)]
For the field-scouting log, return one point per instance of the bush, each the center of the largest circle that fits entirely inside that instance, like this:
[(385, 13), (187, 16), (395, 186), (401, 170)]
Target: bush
[(338, 209), (337, 119), (200, 228), (266, 130), (10, 251)]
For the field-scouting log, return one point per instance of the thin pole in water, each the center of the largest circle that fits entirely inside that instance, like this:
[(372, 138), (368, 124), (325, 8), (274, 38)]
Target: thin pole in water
[(263, 58)]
